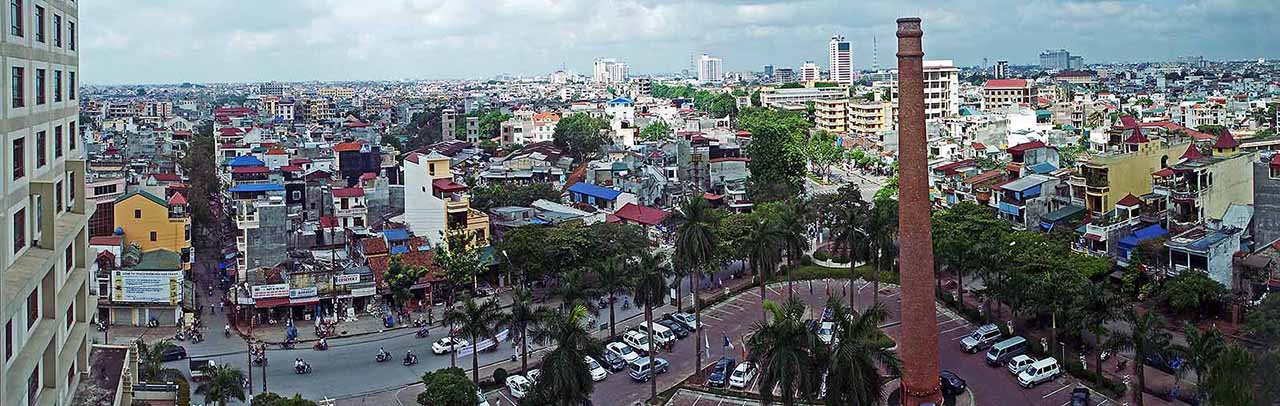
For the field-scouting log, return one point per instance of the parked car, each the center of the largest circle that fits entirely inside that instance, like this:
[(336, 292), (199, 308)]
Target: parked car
[(597, 372), (1168, 364), (1002, 351), (644, 368), (533, 375), (952, 384), (518, 385), (1041, 371), (686, 319), (742, 375), (1080, 397), (981, 338), (637, 340), (173, 353), (720, 373), (679, 329), (826, 331), (622, 351), (480, 396), (1019, 363), (614, 362), (828, 315), (661, 335), (446, 345)]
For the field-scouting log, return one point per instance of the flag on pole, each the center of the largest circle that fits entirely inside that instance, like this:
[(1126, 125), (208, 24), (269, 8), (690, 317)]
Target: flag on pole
[(728, 343), (706, 342)]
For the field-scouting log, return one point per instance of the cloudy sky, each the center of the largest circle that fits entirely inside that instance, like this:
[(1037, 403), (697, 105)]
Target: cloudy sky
[(160, 41)]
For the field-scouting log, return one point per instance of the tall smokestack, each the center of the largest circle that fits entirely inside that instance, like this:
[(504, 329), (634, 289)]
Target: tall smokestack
[(919, 350)]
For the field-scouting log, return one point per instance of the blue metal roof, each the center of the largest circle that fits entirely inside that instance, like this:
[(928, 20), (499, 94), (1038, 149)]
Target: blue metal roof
[(396, 234), (621, 100), (1042, 168), (1143, 234), (594, 191), (256, 187), (399, 249), (245, 160)]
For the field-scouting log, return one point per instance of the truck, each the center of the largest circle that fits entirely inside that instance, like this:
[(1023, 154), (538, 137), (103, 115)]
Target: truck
[(198, 368)]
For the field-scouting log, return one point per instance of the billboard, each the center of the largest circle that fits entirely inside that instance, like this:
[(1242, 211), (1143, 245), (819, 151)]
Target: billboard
[(272, 290), (146, 286)]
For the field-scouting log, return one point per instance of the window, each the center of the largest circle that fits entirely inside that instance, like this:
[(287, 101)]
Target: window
[(33, 386), (8, 340), (137, 213), (15, 17), (40, 87), (41, 149), (57, 200), (19, 230), (1275, 172), (57, 31), (57, 141), (39, 20), (71, 35), (153, 236), (33, 308), (16, 83), (19, 158), (71, 85), (71, 257), (186, 234), (57, 86), (71, 127)]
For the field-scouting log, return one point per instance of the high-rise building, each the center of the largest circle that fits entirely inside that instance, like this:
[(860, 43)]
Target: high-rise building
[(809, 72), (784, 75), (840, 60), (710, 69), (768, 70), (608, 70), (48, 298), (1001, 69), (1059, 59), (1075, 62)]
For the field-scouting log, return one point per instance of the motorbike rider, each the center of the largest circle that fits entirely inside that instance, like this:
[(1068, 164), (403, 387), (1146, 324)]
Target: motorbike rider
[(226, 329), (298, 364), (408, 356), (382, 353)]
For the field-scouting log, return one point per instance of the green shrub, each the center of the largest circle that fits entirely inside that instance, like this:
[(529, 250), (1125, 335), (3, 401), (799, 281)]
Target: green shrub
[(806, 260), (841, 259), (500, 375), (1110, 386), (821, 255)]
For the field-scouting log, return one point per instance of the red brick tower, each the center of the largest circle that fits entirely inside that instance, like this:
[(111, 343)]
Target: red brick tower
[(919, 347)]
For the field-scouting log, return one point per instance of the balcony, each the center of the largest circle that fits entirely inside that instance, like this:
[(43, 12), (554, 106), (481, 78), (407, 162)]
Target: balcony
[(456, 203), (352, 211)]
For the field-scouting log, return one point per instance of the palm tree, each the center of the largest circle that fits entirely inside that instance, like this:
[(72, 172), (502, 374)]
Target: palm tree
[(849, 229), (151, 361), (565, 379), (1096, 307), (859, 352), (1201, 352), (524, 315), (788, 352), (762, 246), (572, 289), (649, 290), (1146, 336), (793, 233), (477, 321), (223, 384), (883, 229), (612, 279), (695, 246), (1231, 377)]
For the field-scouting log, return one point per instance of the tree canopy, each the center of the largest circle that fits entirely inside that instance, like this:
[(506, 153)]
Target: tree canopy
[(484, 198), (580, 134), (777, 162), (447, 387), (656, 131)]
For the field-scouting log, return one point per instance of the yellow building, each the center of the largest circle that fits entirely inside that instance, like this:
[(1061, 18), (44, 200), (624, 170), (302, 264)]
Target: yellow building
[(1107, 178), (436, 205), (153, 223), (868, 118), (832, 115)]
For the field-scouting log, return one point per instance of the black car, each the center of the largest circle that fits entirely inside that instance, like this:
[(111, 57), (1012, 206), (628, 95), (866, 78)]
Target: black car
[(720, 374), (1168, 364), (173, 353), (676, 328), (952, 384), (613, 362), (1080, 397)]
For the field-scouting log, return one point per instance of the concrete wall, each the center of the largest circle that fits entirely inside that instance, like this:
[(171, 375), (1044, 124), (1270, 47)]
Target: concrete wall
[(1232, 183), (1266, 205), (268, 244)]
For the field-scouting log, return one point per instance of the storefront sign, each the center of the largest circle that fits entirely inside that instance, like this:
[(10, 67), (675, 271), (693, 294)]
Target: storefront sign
[(302, 292), (346, 279), (362, 292), (146, 286), (273, 290)]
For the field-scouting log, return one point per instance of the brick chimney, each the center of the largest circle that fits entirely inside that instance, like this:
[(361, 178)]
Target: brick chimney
[(919, 346)]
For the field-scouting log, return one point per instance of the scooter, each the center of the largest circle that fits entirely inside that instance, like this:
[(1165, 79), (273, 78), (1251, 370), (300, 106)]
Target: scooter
[(422, 333), (305, 368), (383, 357), (410, 360), (288, 345), (259, 360), (320, 346), (180, 336)]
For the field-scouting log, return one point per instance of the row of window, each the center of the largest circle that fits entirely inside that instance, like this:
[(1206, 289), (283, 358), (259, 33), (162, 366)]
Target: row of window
[(40, 17), (61, 203), (18, 86), (42, 146)]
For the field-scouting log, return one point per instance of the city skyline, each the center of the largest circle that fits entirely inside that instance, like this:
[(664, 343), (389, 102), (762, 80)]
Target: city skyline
[(144, 42)]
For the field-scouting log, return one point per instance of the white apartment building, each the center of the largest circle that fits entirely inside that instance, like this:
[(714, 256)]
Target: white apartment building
[(941, 88), (772, 97), (608, 70), (831, 115), (710, 69), (810, 72), (47, 300), (840, 60)]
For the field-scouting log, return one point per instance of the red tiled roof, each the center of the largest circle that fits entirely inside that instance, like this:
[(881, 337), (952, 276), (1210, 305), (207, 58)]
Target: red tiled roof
[(447, 186), (353, 146), (249, 169), (112, 240), (640, 214), (1136, 137), (1026, 146), (1129, 200), (277, 152), (166, 177), (299, 161), (328, 221), (952, 168), (713, 196), (730, 159), (413, 258), (1128, 122), (743, 134), (983, 177), (291, 168), (368, 176), (979, 146), (230, 131), (1192, 153), (1226, 141), (1162, 173), (348, 192), (1275, 161), (177, 199), (1005, 83), (373, 246)]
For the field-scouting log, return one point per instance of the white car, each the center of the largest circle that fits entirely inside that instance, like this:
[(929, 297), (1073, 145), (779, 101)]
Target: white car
[(533, 375), (742, 375), (483, 401), (622, 351), (826, 331), (447, 344), (518, 385), (688, 320), (637, 340), (597, 372)]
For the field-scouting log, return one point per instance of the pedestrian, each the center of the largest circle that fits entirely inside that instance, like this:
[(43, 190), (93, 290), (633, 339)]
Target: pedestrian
[(430, 316), (811, 286)]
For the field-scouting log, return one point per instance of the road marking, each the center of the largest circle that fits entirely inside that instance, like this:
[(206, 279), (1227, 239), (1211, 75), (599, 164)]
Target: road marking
[(753, 293), (695, 401), (1055, 392), (951, 329), (713, 317), (960, 336)]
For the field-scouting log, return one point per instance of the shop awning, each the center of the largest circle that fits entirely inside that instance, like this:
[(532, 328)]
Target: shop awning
[(271, 302), (305, 300)]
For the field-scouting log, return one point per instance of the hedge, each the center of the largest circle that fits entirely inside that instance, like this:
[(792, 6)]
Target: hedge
[(1113, 388)]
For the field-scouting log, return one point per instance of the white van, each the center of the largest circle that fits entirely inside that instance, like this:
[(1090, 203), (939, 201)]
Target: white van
[(1019, 363), (1002, 351), (661, 334), (1039, 372)]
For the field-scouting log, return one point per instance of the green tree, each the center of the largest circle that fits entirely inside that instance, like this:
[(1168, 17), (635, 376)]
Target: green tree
[(151, 361), (966, 237), (695, 244), (273, 399), (1230, 378), (763, 248), (1201, 351), (491, 123), (477, 321), (1263, 323), (789, 353), (565, 380), (424, 129), (524, 315), (447, 387), (222, 385), (820, 149), (202, 175), (850, 229), (649, 291), (487, 197), (793, 232), (777, 163), (1096, 307), (1146, 336), (859, 352), (400, 279), (656, 131), (613, 279), (1191, 291), (580, 135)]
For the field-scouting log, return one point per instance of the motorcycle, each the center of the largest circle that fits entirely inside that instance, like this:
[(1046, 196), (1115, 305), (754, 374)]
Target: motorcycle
[(304, 368), (226, 332), (320, 346), (382, 357), (102, 326), (179, 336), (196, 338), (153, 323), (259, 360), (422, 333), (288, 345), (413, 359)]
